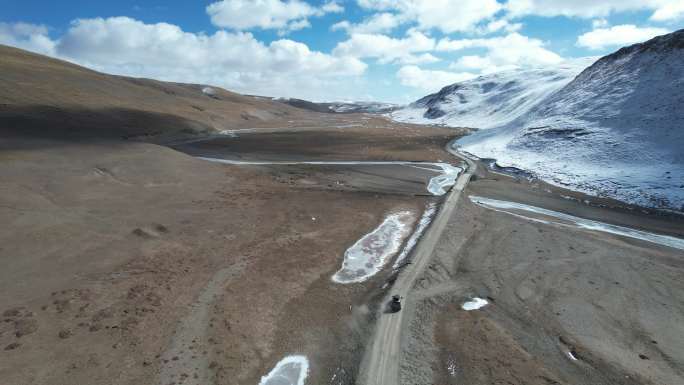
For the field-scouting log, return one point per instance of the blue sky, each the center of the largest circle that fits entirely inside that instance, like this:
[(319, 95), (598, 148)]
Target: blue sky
[(387, 50)]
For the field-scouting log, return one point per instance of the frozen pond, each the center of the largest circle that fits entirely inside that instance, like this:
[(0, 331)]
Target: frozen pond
[(569, 220), (291, 370), (370, 253)]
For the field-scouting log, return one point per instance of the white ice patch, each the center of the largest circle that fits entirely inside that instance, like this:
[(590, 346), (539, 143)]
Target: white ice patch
[(370, 253), (569, 220), (425, 220), (474, 304), (291, 370), (208, 91), (438, 185), (230, 133)]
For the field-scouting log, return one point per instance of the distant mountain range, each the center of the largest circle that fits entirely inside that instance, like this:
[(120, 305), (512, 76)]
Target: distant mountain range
[(489, 100), (340, 107)]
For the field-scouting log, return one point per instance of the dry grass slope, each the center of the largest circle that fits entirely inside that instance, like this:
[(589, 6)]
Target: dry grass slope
[(46, 97)]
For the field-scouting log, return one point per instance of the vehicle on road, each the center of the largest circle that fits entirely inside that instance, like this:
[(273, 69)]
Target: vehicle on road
[(395, 304)]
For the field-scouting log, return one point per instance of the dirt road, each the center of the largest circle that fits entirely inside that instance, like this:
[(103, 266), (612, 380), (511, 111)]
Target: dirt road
[(380, 366)]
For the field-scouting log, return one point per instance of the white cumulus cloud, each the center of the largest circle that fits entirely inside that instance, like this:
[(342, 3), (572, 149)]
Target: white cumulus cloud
[(446, 15), (387, 49), (266, 14), (474, 62), (599, 23), (670, 11), (617, 35), (429, 80), (27, 36), (376, 23), (663, 9), (503, 52), (332, 7), (499, 25), (235, 60)]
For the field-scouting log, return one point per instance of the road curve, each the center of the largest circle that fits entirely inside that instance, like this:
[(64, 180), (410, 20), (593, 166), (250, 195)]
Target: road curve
[(381, 361), (445, 177)]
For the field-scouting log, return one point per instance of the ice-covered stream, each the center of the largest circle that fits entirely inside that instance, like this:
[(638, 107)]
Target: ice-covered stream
[(438, 185), (423, 223), (514, 208)]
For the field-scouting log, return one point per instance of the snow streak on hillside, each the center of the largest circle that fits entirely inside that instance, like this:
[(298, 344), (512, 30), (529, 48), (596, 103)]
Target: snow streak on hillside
[(490, 100), (617, 130)]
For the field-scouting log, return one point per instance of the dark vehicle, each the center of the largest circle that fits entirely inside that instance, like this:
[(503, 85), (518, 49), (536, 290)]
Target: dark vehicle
[(395, 304)]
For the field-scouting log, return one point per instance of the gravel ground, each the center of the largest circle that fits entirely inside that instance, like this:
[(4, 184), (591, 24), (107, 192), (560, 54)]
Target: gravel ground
[(614, 303)]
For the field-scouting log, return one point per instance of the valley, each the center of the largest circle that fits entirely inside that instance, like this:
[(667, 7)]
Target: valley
[(181, 234)]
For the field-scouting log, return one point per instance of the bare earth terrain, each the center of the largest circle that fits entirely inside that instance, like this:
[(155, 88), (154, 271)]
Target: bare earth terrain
[(133, 263), (566, 306)]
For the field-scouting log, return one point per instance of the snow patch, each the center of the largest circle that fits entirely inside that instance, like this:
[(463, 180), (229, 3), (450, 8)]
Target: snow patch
[(439, 185), (474, 304), (291, 370), (569, 220), (424, 222), (369, 254), (361, 107)]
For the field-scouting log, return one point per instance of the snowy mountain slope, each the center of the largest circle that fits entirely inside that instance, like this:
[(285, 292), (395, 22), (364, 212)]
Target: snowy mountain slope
[(361, 107), (340, 107), (617, 130), (490, 100)]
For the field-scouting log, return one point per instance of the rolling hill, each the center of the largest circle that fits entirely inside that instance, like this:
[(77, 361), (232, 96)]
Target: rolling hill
[(45, 97)]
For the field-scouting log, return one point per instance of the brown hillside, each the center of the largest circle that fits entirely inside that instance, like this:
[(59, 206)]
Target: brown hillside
[(41, 96)]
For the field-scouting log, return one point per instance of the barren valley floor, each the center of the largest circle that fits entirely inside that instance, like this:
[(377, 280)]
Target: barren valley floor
[(129, 263)]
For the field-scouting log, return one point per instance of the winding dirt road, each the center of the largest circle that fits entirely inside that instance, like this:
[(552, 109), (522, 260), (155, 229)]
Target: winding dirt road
[(381, 362)]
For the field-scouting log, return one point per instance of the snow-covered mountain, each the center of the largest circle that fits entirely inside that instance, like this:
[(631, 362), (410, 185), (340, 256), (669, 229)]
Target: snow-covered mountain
[(340, 107), (490, 100), (361, 107), (616, 130)]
